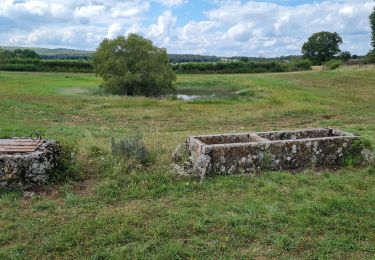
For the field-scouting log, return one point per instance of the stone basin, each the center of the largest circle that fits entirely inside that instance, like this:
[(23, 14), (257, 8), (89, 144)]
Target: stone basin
[(271, 151)]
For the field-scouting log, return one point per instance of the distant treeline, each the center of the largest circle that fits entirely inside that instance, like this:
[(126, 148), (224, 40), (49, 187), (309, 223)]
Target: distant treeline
[(200, 67), (190, 67), (65, 57), (178, 58), (241, 67), (70, 54), (46, 65), (29, 60)]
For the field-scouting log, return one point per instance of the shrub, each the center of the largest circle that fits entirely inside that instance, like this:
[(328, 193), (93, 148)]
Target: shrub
[(353, 156), (300, 65), (132, 148), (333, 64), (230, 67), (370, 58), (13, 64), (344, 56), (67, 167)]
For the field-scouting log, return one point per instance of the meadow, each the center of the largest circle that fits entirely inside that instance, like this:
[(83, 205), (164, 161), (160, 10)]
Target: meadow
[(113, 211)]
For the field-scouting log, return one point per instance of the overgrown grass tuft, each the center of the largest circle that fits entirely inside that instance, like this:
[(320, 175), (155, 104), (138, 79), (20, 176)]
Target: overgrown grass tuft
[(354, 156), (67, 166), (132, 148)]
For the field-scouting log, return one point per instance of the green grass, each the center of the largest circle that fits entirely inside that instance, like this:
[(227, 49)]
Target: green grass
[(115, 211)]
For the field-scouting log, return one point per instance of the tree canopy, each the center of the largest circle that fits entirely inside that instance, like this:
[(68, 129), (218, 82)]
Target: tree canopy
[(322, 47), (133, 66), (372, 23), (25, 54), (18, 54)]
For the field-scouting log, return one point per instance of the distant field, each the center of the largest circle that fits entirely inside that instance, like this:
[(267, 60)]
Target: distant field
[(118, 213)]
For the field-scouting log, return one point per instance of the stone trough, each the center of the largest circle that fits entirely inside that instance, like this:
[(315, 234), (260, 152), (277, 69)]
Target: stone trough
[(26, 162), (268, 151)]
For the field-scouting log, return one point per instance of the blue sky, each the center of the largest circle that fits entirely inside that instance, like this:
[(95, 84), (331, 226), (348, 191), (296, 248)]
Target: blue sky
[(214, 27)]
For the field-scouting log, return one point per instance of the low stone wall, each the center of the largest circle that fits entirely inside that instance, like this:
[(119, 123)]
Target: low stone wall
[(29, 168), (270, 151)]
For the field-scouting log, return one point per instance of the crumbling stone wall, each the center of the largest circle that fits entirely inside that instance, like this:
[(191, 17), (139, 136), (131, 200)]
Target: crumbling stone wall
[(270, 151), (31, 168)]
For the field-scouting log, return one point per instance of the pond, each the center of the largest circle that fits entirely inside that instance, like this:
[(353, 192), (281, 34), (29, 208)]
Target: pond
[(194, 94), (204, 96), (211, 89)]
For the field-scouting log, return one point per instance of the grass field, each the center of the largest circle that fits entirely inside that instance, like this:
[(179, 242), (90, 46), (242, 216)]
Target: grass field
[(113, 211)]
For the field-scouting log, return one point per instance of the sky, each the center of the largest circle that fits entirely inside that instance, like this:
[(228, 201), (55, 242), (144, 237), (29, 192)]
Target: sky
[(211, 27)]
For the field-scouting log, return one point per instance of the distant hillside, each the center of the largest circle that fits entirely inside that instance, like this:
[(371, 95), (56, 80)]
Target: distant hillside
[(71, 54), (52, 54)]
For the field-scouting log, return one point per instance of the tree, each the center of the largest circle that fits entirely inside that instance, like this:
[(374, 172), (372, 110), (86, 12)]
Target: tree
[(322, 47), (345, 56), (5, 54), (371, 55), (133, 66), (372, 23), (25, 54), (244, 59)]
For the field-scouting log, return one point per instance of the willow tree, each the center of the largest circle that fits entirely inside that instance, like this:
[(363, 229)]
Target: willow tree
[(133, 66)]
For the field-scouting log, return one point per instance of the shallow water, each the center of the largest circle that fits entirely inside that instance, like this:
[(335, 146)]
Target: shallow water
[(194, 97)]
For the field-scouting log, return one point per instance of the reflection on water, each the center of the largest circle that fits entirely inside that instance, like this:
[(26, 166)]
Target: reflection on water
[(193, 97), (213, 93)]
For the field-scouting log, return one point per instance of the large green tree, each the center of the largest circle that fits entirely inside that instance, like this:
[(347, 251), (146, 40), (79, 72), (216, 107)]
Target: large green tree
[(322, 47), (133, 66), (372, 23)]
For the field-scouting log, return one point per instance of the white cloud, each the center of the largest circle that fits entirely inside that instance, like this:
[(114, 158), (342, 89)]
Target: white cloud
[(230, 27), (162, 30), (239, 32), (114, 30), (68, 36), (287, 27), (129, 9), (68, 23), (89, 11), (171, 3)]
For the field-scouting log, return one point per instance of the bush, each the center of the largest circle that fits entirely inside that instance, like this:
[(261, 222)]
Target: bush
[(370, 58), (13, 64), (344, 56), (333, 64), (353, 156), (67, 167), (300, 65), (230, 67), (132, 148)]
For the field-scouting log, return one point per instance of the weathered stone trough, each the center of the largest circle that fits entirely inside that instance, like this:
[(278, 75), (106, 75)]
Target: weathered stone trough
[(269, 151), (25, 162)]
